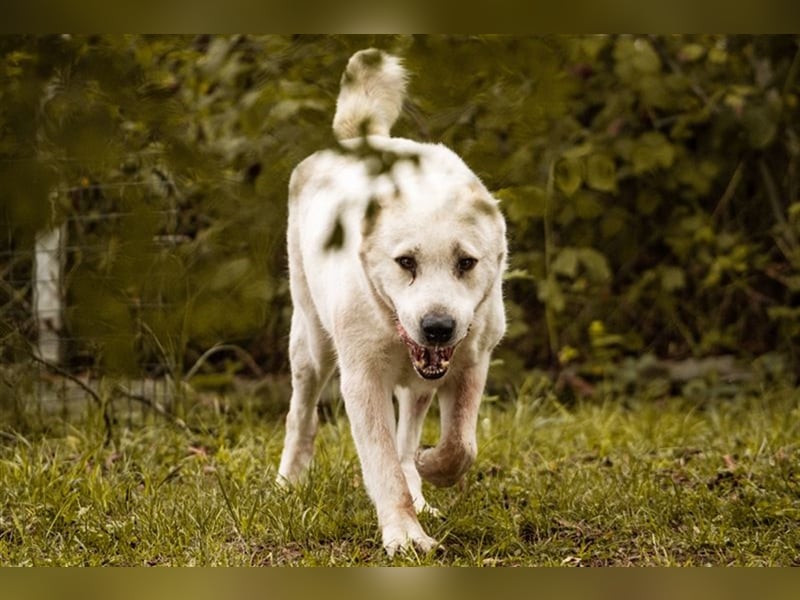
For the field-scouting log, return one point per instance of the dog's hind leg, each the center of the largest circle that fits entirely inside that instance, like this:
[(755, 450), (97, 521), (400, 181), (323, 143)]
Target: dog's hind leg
[(459, 401), (312, 360), (411, 411)]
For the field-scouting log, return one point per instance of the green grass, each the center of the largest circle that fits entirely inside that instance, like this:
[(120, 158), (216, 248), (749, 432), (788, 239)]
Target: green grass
[(620, 482)]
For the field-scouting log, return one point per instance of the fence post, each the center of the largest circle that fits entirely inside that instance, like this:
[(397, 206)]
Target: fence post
[(47, 292)]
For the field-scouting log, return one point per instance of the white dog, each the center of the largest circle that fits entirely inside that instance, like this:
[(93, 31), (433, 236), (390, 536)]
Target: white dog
[(396, 256)]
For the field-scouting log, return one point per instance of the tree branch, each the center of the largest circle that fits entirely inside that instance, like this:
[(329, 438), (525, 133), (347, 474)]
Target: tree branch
[(103, 406), (154, 406)]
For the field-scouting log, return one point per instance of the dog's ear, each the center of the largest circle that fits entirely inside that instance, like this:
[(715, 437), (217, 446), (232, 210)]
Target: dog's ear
[(483, 201), (501, 260)]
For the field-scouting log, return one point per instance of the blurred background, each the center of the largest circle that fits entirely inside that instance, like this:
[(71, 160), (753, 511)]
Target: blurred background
[(650, 184)]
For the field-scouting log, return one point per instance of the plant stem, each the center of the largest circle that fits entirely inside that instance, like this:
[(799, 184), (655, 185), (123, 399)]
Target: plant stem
[(550, 318)]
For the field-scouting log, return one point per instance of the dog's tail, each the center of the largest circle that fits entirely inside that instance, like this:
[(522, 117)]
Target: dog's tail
[(371, 95)]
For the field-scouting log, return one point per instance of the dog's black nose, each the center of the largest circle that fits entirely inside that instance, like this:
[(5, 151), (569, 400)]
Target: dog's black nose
[(438, 328)]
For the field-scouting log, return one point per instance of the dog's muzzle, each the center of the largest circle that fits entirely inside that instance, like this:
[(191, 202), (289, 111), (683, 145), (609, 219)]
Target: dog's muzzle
[(430, 362)]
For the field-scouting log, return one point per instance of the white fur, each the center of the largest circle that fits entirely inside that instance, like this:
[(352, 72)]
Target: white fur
[(351, 214), (371, 95)]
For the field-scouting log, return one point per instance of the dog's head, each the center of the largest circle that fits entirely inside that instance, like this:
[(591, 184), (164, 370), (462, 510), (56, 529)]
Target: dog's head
[(433, 249)]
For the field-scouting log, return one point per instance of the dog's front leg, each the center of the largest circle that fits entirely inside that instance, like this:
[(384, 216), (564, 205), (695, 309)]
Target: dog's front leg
[(368, 402), (411, 410), (459, 401)]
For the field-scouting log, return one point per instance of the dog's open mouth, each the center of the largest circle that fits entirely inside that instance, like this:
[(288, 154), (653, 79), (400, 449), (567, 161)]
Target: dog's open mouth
[(430, 362)]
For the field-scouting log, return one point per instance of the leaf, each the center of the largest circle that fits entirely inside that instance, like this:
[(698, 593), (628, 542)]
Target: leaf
[(579, 151), (761, 126), (645, 59), (605, 341), (287, 109), (515, 274), (595, 263), (654, 91), (792, 282), (613, 222), (601, 173), (259, 289), (229, 273), (672, 278), (794, 212), (652, 150), (691, 53), (567, 354), (783, 312), (664, 150), (704, 234), (25, 195), (697, 175), (634, 57), (549, 293), (566, 263), (717, 56), (569, 175), (523, 202), (647, 202), (587, 205)]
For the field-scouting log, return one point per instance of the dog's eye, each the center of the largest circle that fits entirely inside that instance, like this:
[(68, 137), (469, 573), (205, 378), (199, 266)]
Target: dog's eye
[(407, 262), (466, 264)]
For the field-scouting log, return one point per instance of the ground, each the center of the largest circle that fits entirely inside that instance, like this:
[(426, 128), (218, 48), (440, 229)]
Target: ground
[(620, 481)]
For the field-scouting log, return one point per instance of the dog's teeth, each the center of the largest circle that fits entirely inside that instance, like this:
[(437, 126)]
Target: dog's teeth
[(444, 364)]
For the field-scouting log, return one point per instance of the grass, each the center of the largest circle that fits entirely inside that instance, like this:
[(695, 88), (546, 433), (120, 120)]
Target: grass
[(620, 482)]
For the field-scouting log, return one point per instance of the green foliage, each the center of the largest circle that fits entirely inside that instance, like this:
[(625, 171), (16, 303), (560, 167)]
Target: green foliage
[(650, 183), (668, 215)]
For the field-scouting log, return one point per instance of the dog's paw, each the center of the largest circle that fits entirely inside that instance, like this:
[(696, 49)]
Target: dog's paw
[(399, 539), (285, 481), (443, 466), (420, 506)]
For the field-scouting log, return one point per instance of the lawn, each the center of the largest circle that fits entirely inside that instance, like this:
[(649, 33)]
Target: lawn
[(614, 482)]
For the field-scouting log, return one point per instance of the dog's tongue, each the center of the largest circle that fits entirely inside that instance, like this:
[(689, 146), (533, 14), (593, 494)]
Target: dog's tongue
[(429, 362)]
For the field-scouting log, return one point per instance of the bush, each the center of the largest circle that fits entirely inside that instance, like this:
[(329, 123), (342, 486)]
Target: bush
[(650, 183)]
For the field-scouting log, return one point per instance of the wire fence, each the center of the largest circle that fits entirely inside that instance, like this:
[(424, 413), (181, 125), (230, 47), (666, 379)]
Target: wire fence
[(54, 350)]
